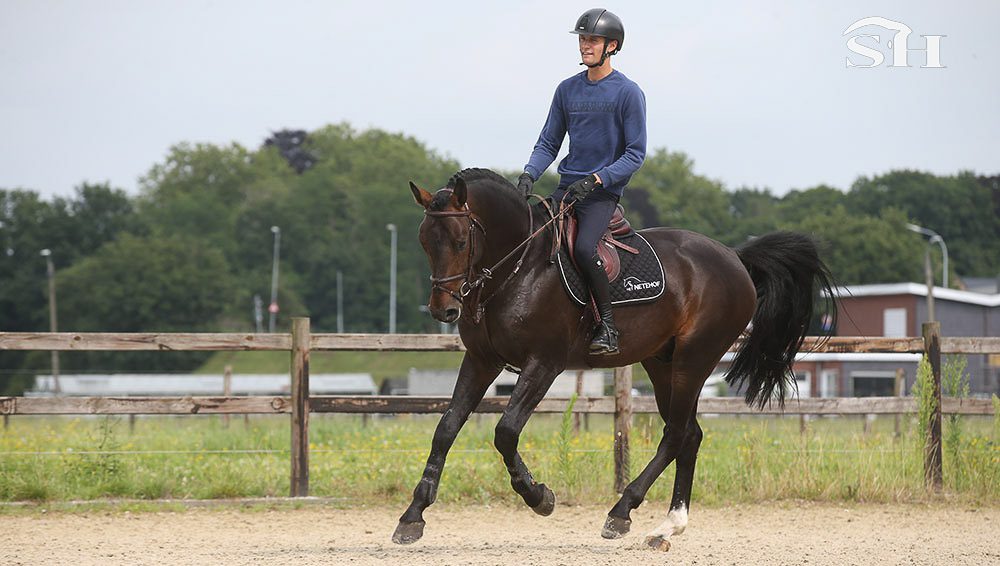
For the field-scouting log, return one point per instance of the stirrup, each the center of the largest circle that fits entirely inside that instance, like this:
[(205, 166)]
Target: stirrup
[(605, 342)]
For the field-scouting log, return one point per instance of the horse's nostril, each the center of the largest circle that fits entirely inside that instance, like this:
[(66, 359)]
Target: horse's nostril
[(451, 314)]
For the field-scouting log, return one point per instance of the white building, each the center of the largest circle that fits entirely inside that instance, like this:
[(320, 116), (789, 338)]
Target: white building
[(171, 384), (420, 382)]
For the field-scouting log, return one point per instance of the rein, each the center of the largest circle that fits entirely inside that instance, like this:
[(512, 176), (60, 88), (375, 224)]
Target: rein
[(473, 283)]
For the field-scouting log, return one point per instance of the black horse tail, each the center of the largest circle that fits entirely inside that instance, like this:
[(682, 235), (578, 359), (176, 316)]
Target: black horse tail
[(786, 269)]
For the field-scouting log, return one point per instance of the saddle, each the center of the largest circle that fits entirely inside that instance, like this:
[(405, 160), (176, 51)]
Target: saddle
[(618, 227), (635, 274)]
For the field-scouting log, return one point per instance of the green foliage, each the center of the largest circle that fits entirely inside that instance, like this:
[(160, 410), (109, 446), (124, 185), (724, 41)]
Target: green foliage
[(193, 249), (71, 229), (923, 392), (954, 383), (140, 284), (146, 284), (680, 197), (564, 443), (754, 213), (964, 209), (954, 380), (863, 249), (106, 466)]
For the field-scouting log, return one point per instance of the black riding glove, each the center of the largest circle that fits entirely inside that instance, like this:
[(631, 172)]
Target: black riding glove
[(525, 184), (583, 187)]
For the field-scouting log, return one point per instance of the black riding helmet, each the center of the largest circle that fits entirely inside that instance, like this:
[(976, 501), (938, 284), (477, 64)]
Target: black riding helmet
[(601, 23)]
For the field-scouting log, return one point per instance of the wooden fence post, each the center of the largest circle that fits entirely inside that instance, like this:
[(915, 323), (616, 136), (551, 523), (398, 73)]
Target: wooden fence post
[(933, 474), (227, 389), (300, 407), (623, 425), (898, 390)]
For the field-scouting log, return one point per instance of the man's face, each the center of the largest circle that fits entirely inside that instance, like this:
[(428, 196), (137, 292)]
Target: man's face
[(591, 48)]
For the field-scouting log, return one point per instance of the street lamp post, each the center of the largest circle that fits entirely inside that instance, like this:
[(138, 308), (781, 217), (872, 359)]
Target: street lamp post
[(392, 278), (935, 238), (340, 302), (258, 313), (53, 325), (272, 309)]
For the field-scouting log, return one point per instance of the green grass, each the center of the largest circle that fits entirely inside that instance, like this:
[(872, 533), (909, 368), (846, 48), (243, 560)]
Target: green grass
[(742, 459), (379, 364)]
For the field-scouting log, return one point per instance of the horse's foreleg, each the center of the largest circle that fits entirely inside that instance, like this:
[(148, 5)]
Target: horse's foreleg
[(474, 379), (528, 392)]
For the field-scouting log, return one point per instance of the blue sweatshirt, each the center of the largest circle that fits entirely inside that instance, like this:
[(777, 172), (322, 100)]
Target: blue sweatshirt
[(606, 122)]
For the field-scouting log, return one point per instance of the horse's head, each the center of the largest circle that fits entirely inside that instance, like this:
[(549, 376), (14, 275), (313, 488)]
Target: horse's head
[(449, 237)]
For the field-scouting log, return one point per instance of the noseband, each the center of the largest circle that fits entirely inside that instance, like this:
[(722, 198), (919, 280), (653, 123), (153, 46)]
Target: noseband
[(467, 283)]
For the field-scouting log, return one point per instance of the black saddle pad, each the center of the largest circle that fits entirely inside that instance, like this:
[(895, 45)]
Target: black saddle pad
[(641, 278)]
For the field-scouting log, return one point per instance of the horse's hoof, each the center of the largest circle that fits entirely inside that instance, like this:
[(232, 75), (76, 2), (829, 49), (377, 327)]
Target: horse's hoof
[(616, 527), (548, 504), (658, 543), (408, 533)]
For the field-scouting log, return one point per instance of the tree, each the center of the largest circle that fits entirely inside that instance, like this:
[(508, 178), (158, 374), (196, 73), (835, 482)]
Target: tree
[(71, 229), (960, 208), (754, 212), (342, 206), (861, 249), (681, 198), (289, 144), (137, 284)]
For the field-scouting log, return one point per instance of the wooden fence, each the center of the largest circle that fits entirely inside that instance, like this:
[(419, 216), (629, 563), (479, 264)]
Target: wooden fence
[(301, 342)]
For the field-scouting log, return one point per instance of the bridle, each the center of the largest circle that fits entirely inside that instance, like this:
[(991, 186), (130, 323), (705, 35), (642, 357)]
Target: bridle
[(466, 287), (473, 283)]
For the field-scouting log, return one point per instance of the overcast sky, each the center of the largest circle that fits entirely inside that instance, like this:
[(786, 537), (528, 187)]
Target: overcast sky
[(757, 93)]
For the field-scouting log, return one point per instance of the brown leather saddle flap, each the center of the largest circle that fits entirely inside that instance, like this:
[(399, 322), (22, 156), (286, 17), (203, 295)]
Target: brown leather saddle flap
[(618, 227)]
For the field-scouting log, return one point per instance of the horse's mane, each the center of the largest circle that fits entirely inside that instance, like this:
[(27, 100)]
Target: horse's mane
[(477, 174), (470, 175)]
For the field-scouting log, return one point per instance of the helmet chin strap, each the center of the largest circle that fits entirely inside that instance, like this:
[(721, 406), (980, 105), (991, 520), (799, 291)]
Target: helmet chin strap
[(604, 55)]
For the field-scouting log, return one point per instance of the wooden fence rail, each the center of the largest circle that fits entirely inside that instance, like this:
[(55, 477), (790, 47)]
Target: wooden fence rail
[(217, 342), (300, 343), (393, 404)]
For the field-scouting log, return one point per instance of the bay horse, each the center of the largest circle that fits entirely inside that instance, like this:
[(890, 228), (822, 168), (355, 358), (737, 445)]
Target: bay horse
[(518, 314)]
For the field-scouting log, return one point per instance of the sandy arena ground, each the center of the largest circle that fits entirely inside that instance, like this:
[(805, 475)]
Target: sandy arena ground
[(786, 533)]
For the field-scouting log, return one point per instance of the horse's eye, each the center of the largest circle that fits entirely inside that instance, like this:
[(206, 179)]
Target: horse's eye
[(461, 245)]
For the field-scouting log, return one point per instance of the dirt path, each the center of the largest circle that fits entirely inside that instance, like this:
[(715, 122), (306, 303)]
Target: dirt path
[(786, 533)]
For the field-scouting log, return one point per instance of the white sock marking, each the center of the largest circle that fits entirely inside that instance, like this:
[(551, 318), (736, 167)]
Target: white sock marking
[(677, 520)]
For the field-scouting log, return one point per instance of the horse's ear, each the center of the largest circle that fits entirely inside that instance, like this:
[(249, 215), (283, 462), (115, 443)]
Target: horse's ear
[(460, 193), (422, 197)]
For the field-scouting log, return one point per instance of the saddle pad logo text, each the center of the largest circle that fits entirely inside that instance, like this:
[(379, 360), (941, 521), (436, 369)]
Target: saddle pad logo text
[(634, 284)]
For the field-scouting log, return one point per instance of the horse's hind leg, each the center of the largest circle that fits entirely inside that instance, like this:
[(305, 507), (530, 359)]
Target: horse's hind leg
[(677, 386), (535, 380), (474, 379), (680, 503)]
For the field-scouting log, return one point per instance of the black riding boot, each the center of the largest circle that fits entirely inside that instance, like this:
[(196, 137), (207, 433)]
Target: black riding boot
[(605, 340)]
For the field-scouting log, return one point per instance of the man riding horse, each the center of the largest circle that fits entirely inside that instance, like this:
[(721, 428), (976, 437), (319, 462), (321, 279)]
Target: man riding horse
[(604, 114), (486, 246)]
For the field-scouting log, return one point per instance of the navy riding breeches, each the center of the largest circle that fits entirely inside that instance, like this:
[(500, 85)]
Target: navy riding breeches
[(592, 215)]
